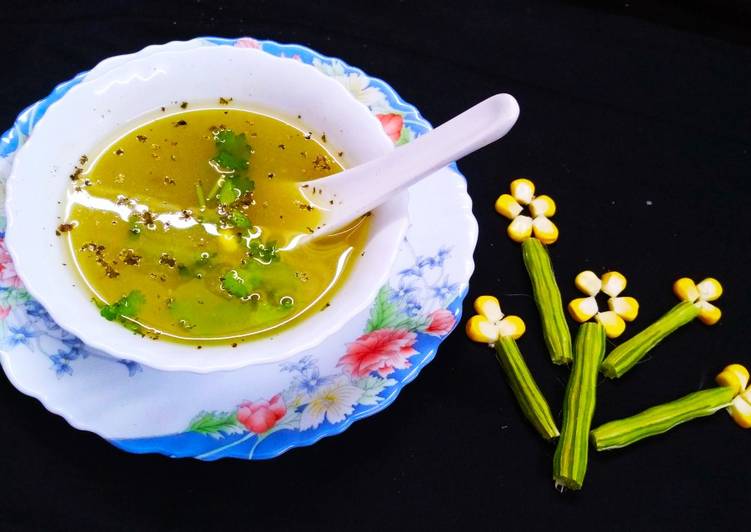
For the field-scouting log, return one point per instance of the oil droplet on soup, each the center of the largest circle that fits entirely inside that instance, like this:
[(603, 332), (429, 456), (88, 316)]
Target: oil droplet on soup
[(184, 228)]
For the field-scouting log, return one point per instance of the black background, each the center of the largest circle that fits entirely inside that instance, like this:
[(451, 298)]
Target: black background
[(635, 118)]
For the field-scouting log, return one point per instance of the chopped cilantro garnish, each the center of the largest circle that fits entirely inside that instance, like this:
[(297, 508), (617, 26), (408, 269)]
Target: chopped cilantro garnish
[(236, 284), (228, 193), (233, 151), (233, 185), (239, 220), (125, 307), (266, 253)]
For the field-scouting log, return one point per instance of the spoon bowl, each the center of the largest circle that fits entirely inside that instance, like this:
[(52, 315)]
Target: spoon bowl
[(346, 196)]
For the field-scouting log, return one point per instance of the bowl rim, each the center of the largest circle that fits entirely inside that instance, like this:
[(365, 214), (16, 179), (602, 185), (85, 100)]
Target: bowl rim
[(121, 346)]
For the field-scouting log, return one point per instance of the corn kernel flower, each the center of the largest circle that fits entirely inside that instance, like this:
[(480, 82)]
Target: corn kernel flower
[(540, 207), (700, 295), (620, 308), (489, 324), (736, 375)]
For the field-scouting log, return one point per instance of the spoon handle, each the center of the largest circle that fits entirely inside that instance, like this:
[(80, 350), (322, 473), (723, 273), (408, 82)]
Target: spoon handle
[(364, 187)]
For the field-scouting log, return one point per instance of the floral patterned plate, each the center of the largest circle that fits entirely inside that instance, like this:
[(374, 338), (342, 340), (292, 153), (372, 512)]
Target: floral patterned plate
[(260, 411)]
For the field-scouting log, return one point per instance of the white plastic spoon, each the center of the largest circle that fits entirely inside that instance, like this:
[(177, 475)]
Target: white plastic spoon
[(360, 189)]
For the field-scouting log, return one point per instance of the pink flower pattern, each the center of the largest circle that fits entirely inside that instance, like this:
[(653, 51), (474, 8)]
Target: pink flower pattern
[(392, 124), (8, 275), (261, 416), (248, 42), (382, 351), (441, 322)]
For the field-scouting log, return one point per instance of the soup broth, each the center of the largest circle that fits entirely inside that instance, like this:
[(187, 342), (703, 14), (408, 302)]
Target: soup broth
[(184, 228)]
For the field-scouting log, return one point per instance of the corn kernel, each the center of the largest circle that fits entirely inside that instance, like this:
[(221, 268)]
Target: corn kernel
[(626, 307), (542, 206), (520, 228), (588, 283), (582, 308), (613, 283), (708, 313), (507, 206), (545, 230), (734, 375), (479, 329), (512, 326), (523, 190), (489, 307), (613, 323), (740, 409), (709, 289), (685, 289)]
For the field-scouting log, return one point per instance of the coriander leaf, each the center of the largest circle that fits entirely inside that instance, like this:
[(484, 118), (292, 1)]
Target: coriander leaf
[(266, 253), (234, 284), (228, 193), (239, 220), (233, 151), (243, 184), (126, 306)]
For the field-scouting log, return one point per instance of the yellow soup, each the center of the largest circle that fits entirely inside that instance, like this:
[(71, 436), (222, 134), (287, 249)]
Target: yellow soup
[(184, 227)]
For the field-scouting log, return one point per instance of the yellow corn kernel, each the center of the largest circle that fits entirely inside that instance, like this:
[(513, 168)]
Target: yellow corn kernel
[(588, 283), (523, 190), (507, 206), (685, 289), (542, 206), (489, 307), (228, 241), (709, 289), (479, 329), (545, 230), (708, 313), (512, 326), (626, 307), (613, 323), (740, 409), (520, 229), (613, 283), (734, 375), (582, 308)]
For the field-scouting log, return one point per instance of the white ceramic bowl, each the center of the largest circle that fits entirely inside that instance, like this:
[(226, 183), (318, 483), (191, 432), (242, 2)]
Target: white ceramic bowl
[(95, 112)]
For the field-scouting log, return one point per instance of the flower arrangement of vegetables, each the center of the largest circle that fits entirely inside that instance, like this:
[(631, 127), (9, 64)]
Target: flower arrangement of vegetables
[(587, 356)]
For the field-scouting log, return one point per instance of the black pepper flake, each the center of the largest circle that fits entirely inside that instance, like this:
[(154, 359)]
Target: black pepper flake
[(340, 153), (327, 305), (310, 229), (270, 175), (76, 173), (224, 101), (323, 138), (168, 180), (167, 260), (180, 123), (199, 347), (234, 344), (184, 105), (83, 159), (141, 138), (321, 162), (164, 109), (64, 228), (119, 152), (282, 146), (129, 257), (308, 135)]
